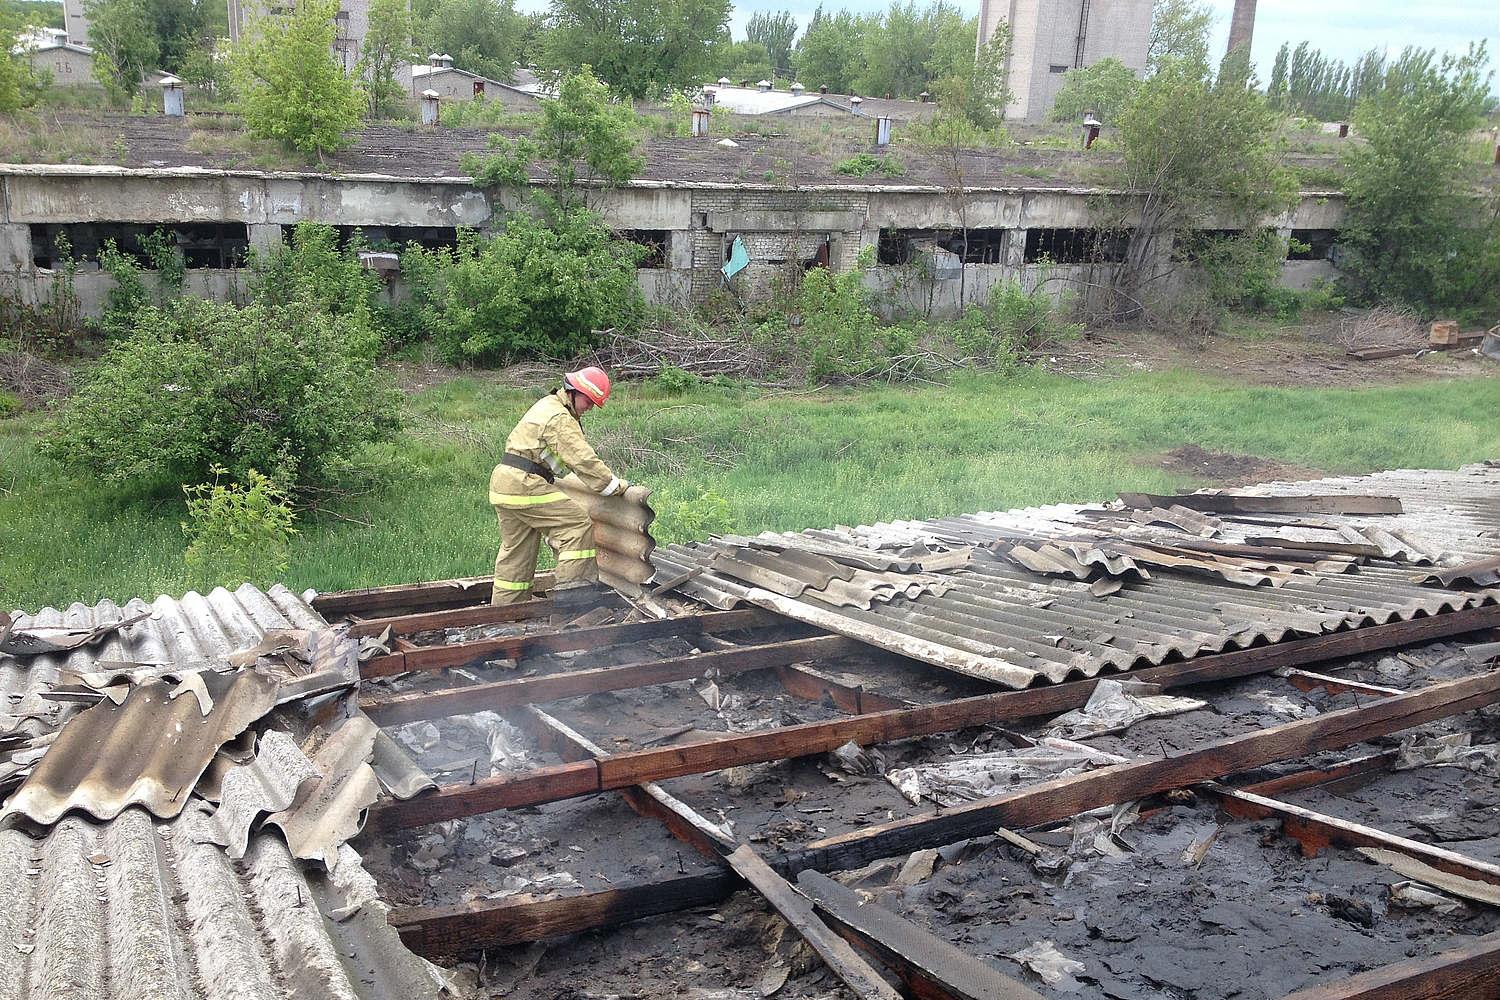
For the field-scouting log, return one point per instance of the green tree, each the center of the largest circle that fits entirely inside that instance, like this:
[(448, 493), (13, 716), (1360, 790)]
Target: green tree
[(748, 61), (776, 33), (1103, 88), (38, 13), (290, 87), (1193, 151), (1416, 231), (830, 52), (126, 46), (642, 48), (582, 139), (910, 48), (387, 45), (977, 92), (18, 84), (1179, 30), (482, 36)]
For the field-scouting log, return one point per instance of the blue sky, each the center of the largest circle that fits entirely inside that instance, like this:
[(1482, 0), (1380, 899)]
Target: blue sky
[(1341, 28)]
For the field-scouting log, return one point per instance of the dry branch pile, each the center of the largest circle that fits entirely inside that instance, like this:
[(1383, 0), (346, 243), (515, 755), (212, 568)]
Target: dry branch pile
[(35, 380)]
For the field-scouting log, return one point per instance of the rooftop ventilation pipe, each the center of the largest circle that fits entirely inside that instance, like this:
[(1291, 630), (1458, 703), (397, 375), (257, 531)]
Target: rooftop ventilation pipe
[(433, 59), (171, 98), (700, 121), (763, 85), (924, 97), (430, 99), (724, 81), (882, 131), (797, 88), (447, 61), (823, 88), (856, 101)]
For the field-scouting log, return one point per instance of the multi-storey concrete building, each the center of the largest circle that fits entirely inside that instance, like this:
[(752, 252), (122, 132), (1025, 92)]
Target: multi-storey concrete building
[(76, 22), (1050, 37), (352, 22)]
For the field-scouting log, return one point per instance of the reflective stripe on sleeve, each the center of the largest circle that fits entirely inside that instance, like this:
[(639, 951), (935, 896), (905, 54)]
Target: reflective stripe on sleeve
[(513, 584), (521, 500), (577, 554), (613, 487)]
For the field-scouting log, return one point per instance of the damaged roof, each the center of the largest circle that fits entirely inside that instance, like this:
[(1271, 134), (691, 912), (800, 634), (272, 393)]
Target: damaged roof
[(108, 900), (1067, 591)]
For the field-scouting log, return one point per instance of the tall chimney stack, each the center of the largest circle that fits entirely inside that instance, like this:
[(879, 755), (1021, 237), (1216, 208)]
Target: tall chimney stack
[(1241, 24)]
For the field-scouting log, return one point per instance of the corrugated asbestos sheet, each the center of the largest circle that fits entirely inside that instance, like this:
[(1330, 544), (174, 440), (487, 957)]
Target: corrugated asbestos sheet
[(138, 906), (1060, 592), (622, 532)]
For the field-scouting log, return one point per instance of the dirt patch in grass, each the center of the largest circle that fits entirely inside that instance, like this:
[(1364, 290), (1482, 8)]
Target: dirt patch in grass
[(1224, 469)]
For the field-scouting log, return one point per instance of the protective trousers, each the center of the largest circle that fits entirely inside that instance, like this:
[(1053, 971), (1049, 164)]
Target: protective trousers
[(568, 530)]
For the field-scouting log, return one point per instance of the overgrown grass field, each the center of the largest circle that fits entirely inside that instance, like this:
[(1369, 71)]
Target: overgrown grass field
[(779, 461)]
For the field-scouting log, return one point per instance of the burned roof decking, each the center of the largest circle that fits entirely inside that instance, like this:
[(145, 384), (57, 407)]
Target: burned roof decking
[(137, 906), (1002, 623)]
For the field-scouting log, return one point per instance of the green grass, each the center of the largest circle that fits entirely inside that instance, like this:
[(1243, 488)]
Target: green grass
[(786, 461)]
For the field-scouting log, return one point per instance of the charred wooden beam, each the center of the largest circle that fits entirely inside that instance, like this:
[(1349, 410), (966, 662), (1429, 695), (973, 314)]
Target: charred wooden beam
[(458, 927), (426, 621), (814, 685), (797, 910), (1469, 972), (430, 595), (544, 784), (1061, 798), (463, 654), (1315, 831), (1315, 776), (928, 966), (526, 690)]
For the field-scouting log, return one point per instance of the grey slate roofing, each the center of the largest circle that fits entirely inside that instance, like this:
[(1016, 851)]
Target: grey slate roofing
[(139, 907), (1004, 623)]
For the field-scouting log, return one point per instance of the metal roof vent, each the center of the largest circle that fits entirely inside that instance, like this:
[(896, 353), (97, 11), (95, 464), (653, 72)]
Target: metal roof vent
[(797, 88), (433, 59), (823, 88), (447, 60), (856, 100), (763, 85), (925, 97), (724, 82)]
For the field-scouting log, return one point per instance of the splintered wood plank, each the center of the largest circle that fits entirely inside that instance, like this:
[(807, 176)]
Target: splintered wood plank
[(928, 966), (1469, 972), (1313, 776), (463, 654), (1306, 680), (550, 687), (797, 910), (1060, 798)]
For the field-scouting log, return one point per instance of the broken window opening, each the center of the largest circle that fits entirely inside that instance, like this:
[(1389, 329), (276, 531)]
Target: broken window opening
[(1194, 246), (388, 238), (1315, 244), (976, 246), (1075, 246), (220, 245), (655, 242)]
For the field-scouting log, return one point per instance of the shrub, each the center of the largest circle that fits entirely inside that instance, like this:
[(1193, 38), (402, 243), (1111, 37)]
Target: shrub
[(1013, 321), (236, 532), (530, 291), (1244, 272), (311, 270), (129, 294), (199, 384), (693, 518), (675, 381), (865, 164), (10, 404)]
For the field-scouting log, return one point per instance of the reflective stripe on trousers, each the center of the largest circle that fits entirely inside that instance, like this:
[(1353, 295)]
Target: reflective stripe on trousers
[(577, 554)]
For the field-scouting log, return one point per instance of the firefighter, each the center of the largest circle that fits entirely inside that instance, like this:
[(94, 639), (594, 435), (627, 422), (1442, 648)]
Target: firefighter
[(529, 504)]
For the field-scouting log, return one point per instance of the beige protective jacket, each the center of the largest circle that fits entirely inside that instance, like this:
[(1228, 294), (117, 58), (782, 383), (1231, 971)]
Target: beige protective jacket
[(549, 434)]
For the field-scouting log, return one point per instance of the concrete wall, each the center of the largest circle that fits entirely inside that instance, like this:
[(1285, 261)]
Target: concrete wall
[(68, 67), (76, 21), (781, 229)]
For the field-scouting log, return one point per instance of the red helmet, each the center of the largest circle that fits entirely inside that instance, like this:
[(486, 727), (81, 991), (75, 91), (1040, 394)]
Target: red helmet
[(590, 381)]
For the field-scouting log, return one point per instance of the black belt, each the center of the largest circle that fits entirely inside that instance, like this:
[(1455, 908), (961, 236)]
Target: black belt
[(526, 465)]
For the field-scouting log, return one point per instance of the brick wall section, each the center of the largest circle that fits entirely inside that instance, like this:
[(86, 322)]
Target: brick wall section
[(776, 236)]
